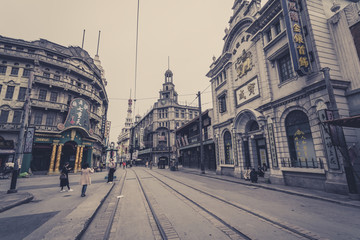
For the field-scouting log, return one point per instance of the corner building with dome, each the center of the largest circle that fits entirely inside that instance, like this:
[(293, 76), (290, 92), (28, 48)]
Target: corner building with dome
[(286, 69), (64, 89)]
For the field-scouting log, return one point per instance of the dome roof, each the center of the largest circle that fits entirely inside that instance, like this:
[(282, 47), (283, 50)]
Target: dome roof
[(168, 73)]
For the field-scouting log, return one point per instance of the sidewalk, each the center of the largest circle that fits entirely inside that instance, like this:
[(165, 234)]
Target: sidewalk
[(71, 223), (308, 193)]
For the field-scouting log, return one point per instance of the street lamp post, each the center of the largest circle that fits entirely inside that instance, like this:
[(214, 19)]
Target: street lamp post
[(20, 143), (201, 137)]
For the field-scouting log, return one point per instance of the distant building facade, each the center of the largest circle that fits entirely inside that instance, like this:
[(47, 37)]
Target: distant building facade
[(65, 91), (124, 137), (270, 93), (154, 134), (188, 143)]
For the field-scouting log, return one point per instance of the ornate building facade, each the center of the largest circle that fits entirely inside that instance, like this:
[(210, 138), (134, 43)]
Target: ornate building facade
[(154, 134), (271, 90), (61, 93)]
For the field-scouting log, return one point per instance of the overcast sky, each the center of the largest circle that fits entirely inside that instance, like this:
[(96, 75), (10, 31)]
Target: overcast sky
[(190, 32)]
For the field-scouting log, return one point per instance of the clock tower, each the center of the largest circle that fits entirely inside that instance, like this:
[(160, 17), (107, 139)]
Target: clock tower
[(168, 93)]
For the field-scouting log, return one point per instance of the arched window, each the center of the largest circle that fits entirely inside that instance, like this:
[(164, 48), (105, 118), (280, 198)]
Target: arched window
[(228, 148), (301, 145), (253, 126)]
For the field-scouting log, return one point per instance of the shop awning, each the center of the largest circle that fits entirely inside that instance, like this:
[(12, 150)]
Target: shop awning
[(353, 122)]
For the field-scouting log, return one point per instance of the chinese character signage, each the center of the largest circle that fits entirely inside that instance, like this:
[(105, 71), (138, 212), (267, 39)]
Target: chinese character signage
[(247, 91), (272, 145), (296, 38), (330, 150), (78, 115)]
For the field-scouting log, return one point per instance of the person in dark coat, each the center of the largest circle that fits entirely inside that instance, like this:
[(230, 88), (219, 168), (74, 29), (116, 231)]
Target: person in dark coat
[(64, 178), (253, 176), (111, 171)]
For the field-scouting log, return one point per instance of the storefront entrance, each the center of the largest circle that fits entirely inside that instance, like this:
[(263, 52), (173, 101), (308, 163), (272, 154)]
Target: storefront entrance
[(41, 157), (68, 154), (261, 152)]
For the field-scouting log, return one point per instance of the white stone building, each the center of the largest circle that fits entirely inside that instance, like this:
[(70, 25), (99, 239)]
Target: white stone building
[(270, 94)]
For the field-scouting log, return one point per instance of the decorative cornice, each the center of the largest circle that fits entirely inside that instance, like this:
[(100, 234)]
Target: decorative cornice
[(219, 64), (227, 122)]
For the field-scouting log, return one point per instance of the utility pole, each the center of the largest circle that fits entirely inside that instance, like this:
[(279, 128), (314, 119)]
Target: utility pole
[(20, 143), (349, 173), (201, 137)]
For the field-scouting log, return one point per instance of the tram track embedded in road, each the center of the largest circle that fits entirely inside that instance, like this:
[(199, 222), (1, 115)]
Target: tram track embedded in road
[(279, 224)]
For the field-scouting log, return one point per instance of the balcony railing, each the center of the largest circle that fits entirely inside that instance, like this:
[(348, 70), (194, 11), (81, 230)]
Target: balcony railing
[(66, 85), (57, 62), (10, 126), (49, 105), (45, 128), (302, 163)]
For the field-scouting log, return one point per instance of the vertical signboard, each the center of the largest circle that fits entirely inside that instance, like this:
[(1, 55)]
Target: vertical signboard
[(330, 150), (29, 140), (296, 38), (272, 145)]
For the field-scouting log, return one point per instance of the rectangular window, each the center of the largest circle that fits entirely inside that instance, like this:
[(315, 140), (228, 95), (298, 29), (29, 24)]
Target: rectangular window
[(14, 71), (268, 35), (22, 93), (26, 73), (57, 77), (38, 118), (53, 96), (50, 119), (4, 116), (190, 114), (3, 69), (182, 113), (46, 74), (285, 68), (222, 103), (277, 28), (0, 88), (9, 92), (177, 113), (17, 116), (42, 95)]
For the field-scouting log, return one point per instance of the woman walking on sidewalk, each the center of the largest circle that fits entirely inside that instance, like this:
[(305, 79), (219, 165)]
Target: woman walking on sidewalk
[(85, 178), (64, 178)]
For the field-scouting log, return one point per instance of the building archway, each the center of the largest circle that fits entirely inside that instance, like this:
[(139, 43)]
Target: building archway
[(250, 139)]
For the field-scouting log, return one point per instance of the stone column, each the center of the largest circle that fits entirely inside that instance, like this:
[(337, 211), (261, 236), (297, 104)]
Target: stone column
[(58, 158), (52, 160), (76, 159)]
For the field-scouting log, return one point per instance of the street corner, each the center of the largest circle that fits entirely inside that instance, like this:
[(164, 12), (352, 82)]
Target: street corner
[(10, 200)]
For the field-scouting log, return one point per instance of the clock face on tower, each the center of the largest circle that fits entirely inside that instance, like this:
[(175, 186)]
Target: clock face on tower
[(163, 102)]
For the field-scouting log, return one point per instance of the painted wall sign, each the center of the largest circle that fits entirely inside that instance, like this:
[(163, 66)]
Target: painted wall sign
[(296, 38), (274, 160), (330, 150), (78, 115), (247, 91)]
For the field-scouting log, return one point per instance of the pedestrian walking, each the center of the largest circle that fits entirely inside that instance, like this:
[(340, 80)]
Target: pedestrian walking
[(150, 164), (247, 174), (124, 164), (64, 178), (111, 171), (253, 176), (85, 179)]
